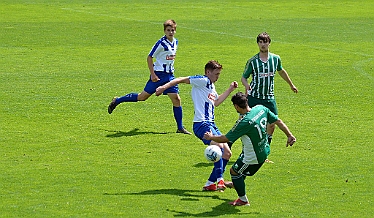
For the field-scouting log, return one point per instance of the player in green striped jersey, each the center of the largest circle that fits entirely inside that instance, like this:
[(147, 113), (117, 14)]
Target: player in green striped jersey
[(251, 129), (263, 67)]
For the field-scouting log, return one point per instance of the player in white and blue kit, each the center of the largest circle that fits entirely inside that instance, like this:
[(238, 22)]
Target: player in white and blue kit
[(205, 99), (161, 72)]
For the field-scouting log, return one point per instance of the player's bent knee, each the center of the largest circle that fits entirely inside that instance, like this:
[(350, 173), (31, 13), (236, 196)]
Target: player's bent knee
[(176, 101), (232, 172), (143, 96), (226, 151), (226, 155)]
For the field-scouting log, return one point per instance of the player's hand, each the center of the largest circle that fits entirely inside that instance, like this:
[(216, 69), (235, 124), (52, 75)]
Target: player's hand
[(154, 78), (294, 89), (159, 90), (291, 140), (233, 85), (207, 135)]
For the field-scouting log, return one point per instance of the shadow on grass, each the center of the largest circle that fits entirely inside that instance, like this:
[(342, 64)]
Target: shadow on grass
[(207, 164), (193, 195), (116, 134)]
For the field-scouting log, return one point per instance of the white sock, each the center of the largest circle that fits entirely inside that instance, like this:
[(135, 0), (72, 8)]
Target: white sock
[(244, 198), (219, 179), (208, 183)]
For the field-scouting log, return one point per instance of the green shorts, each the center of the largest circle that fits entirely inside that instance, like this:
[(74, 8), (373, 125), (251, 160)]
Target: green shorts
[(245, 169), (269, 103)]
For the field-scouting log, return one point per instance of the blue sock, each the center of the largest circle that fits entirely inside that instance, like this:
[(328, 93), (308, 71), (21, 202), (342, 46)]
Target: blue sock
[(132, 97), (178, 116), (217, 171), (224, 164)]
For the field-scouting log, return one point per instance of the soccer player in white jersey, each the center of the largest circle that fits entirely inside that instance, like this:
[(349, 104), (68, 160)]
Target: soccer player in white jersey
[(161, 72), (205, 99), (262, 67), (251, 129)]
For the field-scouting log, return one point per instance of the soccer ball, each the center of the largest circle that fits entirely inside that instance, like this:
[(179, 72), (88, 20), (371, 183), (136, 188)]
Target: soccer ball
[(213, 153)]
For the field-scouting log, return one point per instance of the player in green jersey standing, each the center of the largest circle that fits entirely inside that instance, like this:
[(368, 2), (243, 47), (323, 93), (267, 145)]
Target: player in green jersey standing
[(251, 128), (262, 67)]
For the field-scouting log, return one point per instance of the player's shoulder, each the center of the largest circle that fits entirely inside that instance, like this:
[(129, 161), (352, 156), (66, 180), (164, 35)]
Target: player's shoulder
[(199, 80), (254, 57), (163, 39), (272, 55), (262, 111), (198, 77), (258, 108), (160, 41)]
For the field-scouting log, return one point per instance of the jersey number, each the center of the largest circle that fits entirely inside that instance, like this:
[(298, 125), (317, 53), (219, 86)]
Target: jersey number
[(262, 126)]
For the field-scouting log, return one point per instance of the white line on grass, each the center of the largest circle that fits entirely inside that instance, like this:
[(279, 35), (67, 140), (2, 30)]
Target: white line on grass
[(220, 33), (358, 67), (106, 15)]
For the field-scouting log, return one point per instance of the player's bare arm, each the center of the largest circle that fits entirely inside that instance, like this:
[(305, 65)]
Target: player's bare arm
[(224, 95), (216, 138), (154, 77), (282, 126), (283, 73), (174, 82), (246, 85)]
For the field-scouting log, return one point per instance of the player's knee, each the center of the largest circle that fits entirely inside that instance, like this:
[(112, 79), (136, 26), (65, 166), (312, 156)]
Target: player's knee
[(143, 97), (176, 100), (226, 154), (232, 172), (229, 153)]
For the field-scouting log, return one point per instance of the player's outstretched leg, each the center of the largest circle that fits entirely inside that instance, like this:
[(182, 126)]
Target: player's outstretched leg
[(239, 185), (178, 116), (132, 97), (112, 105)]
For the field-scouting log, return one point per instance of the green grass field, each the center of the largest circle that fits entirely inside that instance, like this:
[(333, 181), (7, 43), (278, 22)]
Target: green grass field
[(62, 155)]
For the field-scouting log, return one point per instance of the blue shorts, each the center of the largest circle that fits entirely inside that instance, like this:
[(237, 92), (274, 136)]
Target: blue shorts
[(151, 87), (202, 127)]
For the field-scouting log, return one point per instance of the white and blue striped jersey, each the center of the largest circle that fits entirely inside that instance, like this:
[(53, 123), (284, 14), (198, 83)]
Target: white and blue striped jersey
[(164, 51), (204, 95)]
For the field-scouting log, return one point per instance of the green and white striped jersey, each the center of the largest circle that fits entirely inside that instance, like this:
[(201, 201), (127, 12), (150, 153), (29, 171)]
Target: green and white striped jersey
[(262, 84)]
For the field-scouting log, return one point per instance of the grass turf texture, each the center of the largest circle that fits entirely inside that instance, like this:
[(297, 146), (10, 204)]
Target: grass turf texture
[(62, 155)]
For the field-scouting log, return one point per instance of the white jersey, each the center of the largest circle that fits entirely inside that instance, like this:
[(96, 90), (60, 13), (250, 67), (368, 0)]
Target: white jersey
[(204, 95), (164, 51)]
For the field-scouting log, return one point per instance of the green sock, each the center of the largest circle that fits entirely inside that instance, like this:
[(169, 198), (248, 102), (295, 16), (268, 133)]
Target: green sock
[(238, 181)]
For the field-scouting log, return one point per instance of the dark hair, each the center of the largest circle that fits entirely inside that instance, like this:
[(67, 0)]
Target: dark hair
[(170, 23), (264, 37), (240, 99), (212, 65)]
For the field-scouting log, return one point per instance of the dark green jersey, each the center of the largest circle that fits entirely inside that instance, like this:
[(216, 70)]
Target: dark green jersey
[(262, 84), (251, 128)]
